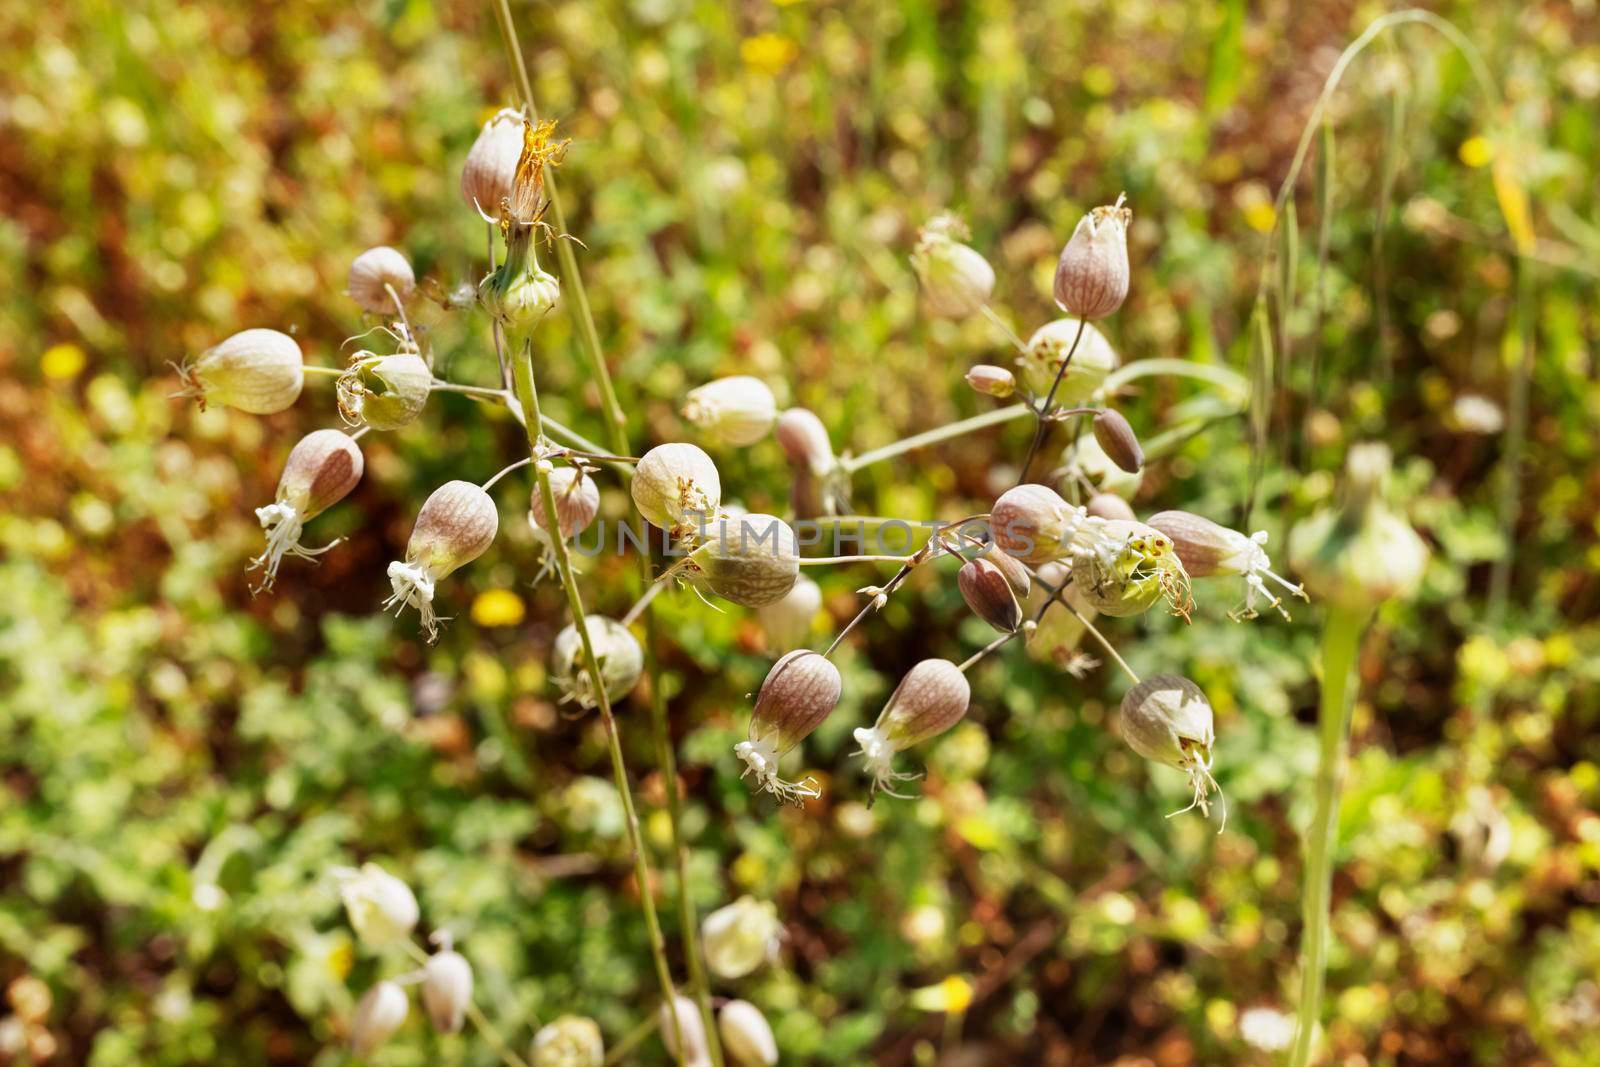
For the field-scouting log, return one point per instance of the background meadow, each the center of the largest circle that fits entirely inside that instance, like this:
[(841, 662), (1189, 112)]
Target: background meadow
[(181, 763)]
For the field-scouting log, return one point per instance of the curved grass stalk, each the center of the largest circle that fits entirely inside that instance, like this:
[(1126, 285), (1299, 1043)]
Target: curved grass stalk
[(851, 464)]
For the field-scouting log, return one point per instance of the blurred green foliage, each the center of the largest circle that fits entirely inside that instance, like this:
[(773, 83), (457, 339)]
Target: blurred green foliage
[(181, 763)]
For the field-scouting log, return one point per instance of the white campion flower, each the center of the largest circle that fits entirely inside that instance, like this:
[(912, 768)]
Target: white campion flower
[(381, 907)]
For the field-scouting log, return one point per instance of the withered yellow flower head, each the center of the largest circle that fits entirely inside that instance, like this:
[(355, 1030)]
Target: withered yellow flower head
[(527, 203)]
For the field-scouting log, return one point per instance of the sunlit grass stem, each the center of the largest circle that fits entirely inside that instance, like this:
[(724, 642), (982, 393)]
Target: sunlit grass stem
[(1341, 640)]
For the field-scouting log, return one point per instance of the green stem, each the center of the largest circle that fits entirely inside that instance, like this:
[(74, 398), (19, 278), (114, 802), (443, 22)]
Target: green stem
[(1225, 377), (1341, 640), (528, 398), (933, 437)]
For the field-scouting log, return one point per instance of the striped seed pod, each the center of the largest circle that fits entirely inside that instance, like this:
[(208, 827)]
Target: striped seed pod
[(1168, 719), (1033, 523), (1118, 440), (800, 691), (258, 371), (735, 411), (931, 698), (456, 525), (956, 279), (374, 273), (1041, 360), (752, 560), (492, 164), (321, 470), (677, 488), (384, 392), (991, 597), (615, 649), (577, 503), (1092, 275)]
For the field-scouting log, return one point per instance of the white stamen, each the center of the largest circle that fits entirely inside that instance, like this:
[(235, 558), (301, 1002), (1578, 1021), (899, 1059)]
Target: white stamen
[(283, 526), (761, 759), (413, 586)]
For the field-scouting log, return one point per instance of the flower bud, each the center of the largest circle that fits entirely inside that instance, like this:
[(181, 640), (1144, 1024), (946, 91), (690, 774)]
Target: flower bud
[(1362, 553), (992, 381), (746, 1035), (788, 622), (1032, 522), (752, 560), (1041, 361), (680, 1020), (447, 989), (570, 1041), (615, 649), (741, 937), (258, 371), (577, 503), (1124, 568), (1089, 459), (381, 907), (1092, 274), (1111, 506), (985, 589), (798, 693), (1117, 440), (380, 1013), (805, 441), (676, 487), (734, 411), (321, 470), (384, 392), (1212, 551), (956, 280), (492, 164), (1014, 571), (456, 525), (374, 273), (1168, 719), (931, 698)]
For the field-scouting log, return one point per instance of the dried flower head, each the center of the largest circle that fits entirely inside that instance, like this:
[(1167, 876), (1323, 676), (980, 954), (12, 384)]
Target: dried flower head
[(380, 1013), (683, 1032), (798, 693), (1168, 719), (526, 204), (677, 488), (956, 280), (746, 1035), (380, 279), (740, 937), (456, 525), (736, 411), (570, 1041), (384, 392), (577, 503), (1032, 522), (447, 989), (788, 622), (992, 381), (1047, 349), (321, 470), (1212, 551), (381, 907), (753, 560), (931, 698), (1362, 553), (258, 371), (991, 597), (615, 649), (1092, 274), (1118, 441), (492, 164)]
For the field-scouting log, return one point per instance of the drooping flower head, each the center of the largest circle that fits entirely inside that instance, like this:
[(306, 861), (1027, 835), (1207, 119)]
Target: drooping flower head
[(800, 691), (930, 699), (617, 651), (257, 371), (380, 279), (1209, 550), (447, 989), (737, 411), (380, 1013), (740, 937), (1092, 274), (956, 279), (1168, 719), (676, 487), (456, 525), (753, 560), (381, 907), (321, 470)]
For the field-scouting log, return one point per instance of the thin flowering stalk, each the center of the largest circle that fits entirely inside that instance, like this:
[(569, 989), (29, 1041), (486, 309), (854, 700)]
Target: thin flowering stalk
[(505, 471), (1056, 595), (616, 424), (992, 646), (631, 1040), (1043, 409), (851, 464), (1005, 328), (333, 372)]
